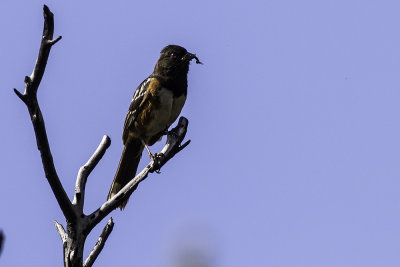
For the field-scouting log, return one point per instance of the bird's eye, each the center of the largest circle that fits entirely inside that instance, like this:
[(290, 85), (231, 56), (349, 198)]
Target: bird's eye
[(172, 55)]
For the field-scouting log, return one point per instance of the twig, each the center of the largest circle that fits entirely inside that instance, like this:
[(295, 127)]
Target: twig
[(99, 244), (30, 99)]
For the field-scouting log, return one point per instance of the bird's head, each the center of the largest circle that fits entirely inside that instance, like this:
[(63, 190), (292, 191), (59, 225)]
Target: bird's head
[(174, 60)]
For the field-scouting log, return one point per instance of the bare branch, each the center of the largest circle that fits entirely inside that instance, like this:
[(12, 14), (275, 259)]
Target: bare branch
[(30, 99), (99, 244), (61, 231), (174, 139), (85, 171), (44, 51)]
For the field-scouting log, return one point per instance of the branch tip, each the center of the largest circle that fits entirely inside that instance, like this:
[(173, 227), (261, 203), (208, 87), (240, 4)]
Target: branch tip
[(27, 80), (53, 42), (21, 96), (61, 231), (106, 141), (46, 11), (184, 145)]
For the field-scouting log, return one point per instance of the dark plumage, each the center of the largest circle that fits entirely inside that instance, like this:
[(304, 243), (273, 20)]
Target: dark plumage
[(156, 104)]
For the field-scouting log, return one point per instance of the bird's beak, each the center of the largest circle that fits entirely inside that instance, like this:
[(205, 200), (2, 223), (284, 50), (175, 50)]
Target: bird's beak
[(189, 56)]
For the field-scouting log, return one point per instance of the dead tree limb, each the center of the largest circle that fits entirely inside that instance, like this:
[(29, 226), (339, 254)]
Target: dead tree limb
[(30, 99), (79, 225), (100, 243)]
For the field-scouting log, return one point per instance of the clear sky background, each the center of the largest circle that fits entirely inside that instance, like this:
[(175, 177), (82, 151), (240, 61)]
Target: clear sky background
[(294, 122)]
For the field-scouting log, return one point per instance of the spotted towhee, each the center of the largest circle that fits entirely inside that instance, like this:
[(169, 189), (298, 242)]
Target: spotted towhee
[(156, 104)]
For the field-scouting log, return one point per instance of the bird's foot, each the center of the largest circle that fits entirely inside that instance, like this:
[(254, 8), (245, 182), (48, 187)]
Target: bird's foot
[(157, 158), (173, 133)]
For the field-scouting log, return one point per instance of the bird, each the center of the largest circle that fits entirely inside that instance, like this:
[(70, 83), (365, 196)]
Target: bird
[(156, 104)]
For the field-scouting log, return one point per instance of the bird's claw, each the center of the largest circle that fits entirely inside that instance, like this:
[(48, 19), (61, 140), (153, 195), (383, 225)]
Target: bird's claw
[(173, 134), (157, 161)]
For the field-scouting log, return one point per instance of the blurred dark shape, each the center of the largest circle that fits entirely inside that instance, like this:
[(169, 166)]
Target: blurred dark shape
[(194, 258), (194, 246), (1, 241)]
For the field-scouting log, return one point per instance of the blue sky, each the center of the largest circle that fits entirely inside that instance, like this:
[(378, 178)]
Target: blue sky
[(294, 122)]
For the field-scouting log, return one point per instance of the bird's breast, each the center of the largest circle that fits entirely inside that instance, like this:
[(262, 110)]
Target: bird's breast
[(177, 105), (163, 109), (160, 112)]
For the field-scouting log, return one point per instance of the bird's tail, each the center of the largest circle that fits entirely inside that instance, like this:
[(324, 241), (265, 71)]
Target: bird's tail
[(127, 168)]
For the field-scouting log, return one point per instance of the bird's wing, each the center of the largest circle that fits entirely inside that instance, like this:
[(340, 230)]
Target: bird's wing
[(140, 98)]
